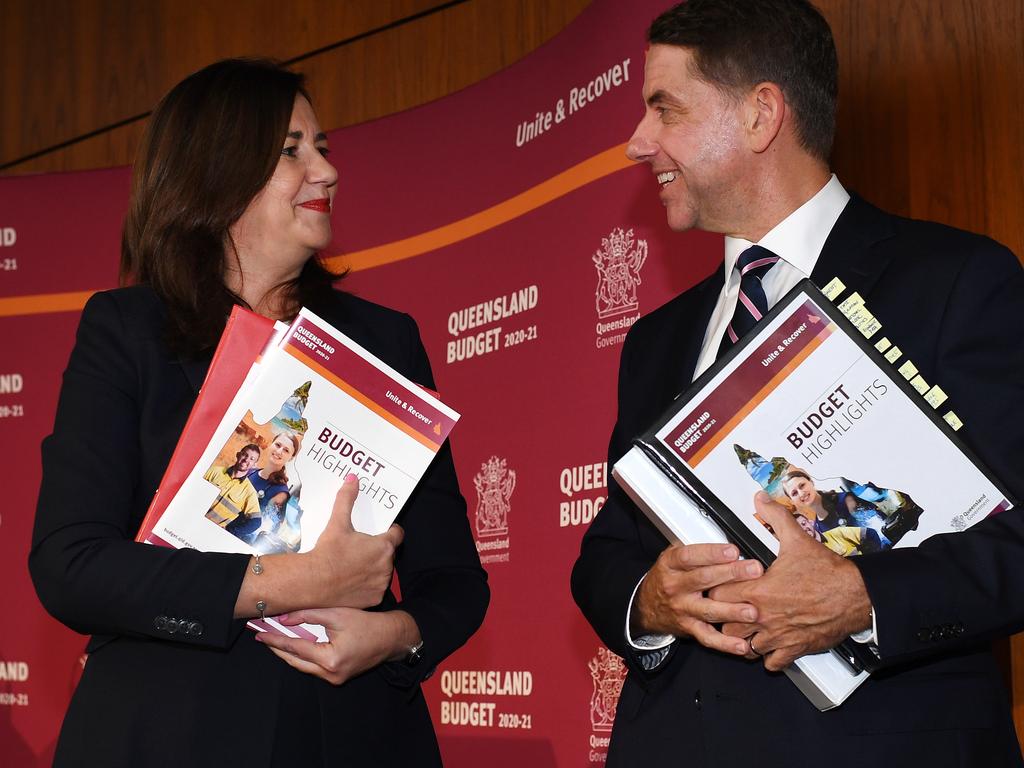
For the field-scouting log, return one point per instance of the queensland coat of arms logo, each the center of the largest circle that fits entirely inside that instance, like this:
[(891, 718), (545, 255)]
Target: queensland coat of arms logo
[(494, 485), (608, 673), (618, 264)]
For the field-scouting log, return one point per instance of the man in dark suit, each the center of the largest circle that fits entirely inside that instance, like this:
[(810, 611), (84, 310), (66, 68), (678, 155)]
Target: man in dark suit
[(740, 103)]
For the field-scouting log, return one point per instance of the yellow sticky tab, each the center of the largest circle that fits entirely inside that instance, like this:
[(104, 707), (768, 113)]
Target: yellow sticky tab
[(852, 301), (936, 396), (871, 327), (858, 315), (919, 384), (834, 288), (863, 320), (883, 344), (893, 354), (908, 370), (953, 420)]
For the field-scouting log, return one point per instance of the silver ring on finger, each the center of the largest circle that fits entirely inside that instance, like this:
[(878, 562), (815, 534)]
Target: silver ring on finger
[(750, 645)]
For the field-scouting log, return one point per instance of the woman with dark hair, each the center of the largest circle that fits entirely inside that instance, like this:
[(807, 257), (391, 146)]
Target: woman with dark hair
[(831, 509), (230, 204)]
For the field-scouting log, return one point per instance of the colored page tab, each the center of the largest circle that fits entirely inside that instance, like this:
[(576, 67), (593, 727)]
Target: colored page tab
[(936, 396), (908, 370), (953, 420), (834, 288), (870, 328), (851, 302)]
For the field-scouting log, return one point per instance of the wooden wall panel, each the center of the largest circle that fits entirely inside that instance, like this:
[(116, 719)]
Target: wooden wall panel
[(71, 67), (102, 61), (929, 123), (930, 127), (429, 58)]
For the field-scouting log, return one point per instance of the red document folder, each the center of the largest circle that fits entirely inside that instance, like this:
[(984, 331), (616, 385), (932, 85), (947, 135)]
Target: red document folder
[(244, 339)]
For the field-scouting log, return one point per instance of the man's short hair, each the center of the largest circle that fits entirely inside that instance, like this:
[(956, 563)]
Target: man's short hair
[(250, 447), (737, 44)]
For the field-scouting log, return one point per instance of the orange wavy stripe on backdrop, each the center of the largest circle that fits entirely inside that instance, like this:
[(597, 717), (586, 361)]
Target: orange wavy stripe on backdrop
[(590, 170), (593, 168), (43, 303)]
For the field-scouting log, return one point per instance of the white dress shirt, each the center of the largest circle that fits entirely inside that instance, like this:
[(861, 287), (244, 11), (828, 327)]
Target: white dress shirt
[(797, 240)]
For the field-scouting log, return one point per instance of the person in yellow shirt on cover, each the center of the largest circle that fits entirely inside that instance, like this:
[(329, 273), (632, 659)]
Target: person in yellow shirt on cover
[(845, 540), (237, 496)]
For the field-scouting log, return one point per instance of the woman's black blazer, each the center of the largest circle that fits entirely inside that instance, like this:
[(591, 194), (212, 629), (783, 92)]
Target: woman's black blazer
[(172, 679)]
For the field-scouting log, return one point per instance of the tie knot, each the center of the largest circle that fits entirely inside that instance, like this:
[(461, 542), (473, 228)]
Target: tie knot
[(755, 261)]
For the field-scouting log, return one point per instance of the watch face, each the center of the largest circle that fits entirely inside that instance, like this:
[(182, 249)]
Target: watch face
[(414, 655)]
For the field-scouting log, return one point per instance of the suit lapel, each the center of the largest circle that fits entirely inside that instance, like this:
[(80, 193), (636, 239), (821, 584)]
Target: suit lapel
[(853, 251)]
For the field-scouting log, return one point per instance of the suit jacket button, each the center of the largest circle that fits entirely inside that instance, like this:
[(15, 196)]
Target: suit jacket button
[(696, 699)]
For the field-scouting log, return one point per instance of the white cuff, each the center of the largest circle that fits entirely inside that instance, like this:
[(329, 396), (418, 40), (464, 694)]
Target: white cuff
[(864, 636), (645, 642)]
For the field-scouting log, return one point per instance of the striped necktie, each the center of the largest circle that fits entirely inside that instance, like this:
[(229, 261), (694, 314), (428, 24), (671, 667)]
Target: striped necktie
[(753, 264)]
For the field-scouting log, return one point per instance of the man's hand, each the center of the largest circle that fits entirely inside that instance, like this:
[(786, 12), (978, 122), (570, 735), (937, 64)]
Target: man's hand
[(671, 600), (809, 600)]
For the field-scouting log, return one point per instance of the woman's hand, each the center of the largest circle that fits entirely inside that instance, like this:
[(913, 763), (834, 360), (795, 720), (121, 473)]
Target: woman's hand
[(345, 568), (357, 641), (351, 569)]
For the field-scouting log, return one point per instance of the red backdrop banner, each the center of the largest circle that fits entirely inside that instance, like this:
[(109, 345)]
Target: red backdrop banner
[(507, 221)]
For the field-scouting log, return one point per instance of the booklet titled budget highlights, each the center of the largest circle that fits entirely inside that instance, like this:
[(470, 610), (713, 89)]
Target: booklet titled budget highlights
[(317, 408), (806, 414)]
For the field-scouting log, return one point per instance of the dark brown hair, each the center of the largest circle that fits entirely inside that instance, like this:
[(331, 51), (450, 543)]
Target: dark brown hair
[(211, 145), (740, 43), (793, 474)]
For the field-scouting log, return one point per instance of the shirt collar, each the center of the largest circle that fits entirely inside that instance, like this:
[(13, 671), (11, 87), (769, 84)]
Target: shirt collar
[(799, 237)]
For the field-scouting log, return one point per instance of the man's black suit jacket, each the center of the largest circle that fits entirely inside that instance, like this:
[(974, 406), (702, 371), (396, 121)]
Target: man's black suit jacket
[(150, 697), (951, 300)]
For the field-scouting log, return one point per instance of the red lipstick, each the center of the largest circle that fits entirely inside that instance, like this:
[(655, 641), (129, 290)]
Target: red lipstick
[(321, 204)]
